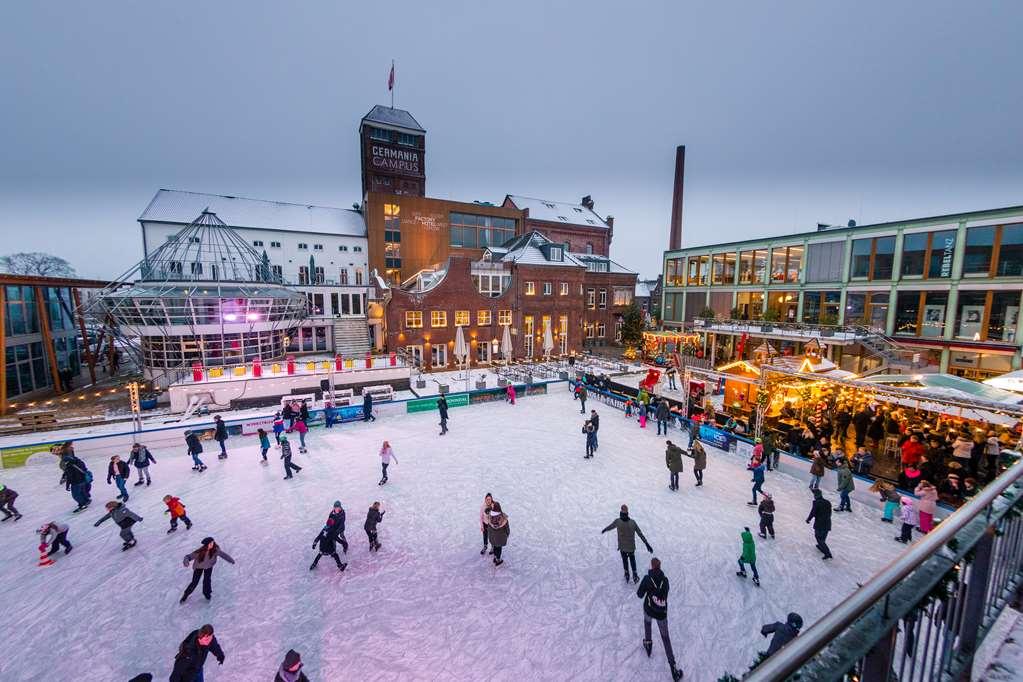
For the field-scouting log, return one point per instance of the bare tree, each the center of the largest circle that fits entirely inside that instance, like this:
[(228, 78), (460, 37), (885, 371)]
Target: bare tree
[(36, 263)]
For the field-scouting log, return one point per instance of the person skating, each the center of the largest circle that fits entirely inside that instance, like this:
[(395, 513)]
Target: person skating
[(264, 443), (748, 556), (627, 530), (288, 414), (510, 393), (663, 415), (758, 481), (302, 429), (595, 420), (367, 407), (766, 511), (670, 373), (817, 470), (55, 535), (177, 511), (488, 504), (286, 456), (76, 478), (673, 460), (203, 560), (581, 394), (783, 633), (327, 541), (140, 458), (820, 514), (927, 502), (194, 448), (498, 531), (693, 432), (654, 593), (124, 518), (373, 517), (337, 514), (119, 472), (642, 412), (291, 669), (845, 485), (889, 496), (386, 455), (908, 517), (220, 435), (278, 427), (442, 408), (591, 439), (303, 411), (699, 456), (192, 653), (7, 497)]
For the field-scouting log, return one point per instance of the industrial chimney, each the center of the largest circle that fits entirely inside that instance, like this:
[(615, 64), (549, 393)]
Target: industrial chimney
[(675, 236)]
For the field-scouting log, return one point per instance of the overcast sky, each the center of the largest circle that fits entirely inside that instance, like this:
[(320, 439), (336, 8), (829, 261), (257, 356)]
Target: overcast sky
[(793, 113)]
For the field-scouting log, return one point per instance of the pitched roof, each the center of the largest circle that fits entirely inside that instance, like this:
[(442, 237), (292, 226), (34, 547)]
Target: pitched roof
[(612, 266), (558, 211), (642, 289), (175, 206), (526, 250), (397, 118)]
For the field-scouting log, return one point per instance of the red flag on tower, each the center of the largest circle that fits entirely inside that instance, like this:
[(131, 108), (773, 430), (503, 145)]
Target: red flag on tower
[(390, 78)]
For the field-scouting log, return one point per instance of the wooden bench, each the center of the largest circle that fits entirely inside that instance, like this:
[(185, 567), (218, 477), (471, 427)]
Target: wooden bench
[(380, 392), (37, 420)]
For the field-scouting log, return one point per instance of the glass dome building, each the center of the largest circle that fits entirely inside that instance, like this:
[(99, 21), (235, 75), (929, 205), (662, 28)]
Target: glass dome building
[(204, 296)]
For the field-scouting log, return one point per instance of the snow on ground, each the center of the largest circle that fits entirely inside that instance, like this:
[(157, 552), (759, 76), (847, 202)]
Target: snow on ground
[(427, 606), (1000, 657)]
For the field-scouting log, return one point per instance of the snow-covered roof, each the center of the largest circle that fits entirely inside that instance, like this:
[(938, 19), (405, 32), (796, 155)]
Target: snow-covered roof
[(642, 289), (558, 211), (396, 118), (527, 249), (612, 266), (176, 206)]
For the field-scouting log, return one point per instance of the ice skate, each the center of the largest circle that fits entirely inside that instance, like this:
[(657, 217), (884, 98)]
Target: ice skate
[(741, 574), (342, 567), (498, 562), (756, 581), (483, 551), (128, 545), (648, 646), (6, 518), (376, 548), (139, 483), (676, 674), (171, 530), (635, 578), (762, 535)]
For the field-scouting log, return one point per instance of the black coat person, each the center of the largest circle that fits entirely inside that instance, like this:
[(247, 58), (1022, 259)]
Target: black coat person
[(820, 514), (442, 407), (192, 654), (783, 632), (220, 435), (367, 407)]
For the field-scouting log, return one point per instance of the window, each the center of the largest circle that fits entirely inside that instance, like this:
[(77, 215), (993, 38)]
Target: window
[(674, 272), (563, 291), (872, 258), (379, 135), (275, 245), (491, 285), (257, 242), (884, 257), (723, 268), (821, 307), (344, 275), (548, 204), (697, 275), (334, 307), (563, 218), (557, 254), (479, 231), (920, 313), (406, 139), (1010, 252), (548, 288), (994, 250), (196, 268), (461, 318), (438, 318), (530, 288), (342, 248), (914, 254), (601, 330), (603, 298), (563, 333), (439, 355), (591, 298), (577, 210), (504, 317), (980, 243), (785, 264), (824, 262), (357, 249), (358, 276), (622, 296), (589, 247), (928, 254), (527, 335), (619, 323), (318, 273), (870, 310), (414, 319), (315, 303), (276, 273), (596, 265), (988, 315), (194, 240), (483, 318), (859, 265), (303, 274), (317, 247), (303, 247)]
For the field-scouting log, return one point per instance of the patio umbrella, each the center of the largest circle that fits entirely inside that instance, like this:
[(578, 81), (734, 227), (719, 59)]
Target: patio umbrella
[(548, 339), (461, 347), (506, 344)]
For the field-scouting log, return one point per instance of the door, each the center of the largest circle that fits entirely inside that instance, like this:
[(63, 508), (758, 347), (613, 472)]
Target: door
[(415, 355)]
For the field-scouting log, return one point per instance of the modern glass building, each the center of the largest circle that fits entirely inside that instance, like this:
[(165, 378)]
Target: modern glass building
[(948, 287)]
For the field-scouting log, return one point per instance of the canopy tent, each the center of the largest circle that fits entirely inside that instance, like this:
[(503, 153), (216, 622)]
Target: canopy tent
[(1013, 381), (548, 339), (506, 344), (461, 351)]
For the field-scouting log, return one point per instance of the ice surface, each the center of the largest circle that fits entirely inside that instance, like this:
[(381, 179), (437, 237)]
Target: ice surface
[(427, 606)]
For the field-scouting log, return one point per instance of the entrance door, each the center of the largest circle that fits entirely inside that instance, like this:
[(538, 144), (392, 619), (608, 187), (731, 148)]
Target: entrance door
[(439, 355), (415, 355)]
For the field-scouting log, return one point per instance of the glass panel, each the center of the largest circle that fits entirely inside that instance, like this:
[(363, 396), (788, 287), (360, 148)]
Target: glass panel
[(977, 255), (795, 259), (778, 264), (811, 307), (884, 257), (914, 251), (943, 246), (907, 311), (746, 267), (759, 266), (718, 269), (970, 316), (855, 305), (1010, 254), (859, 265), (935, 305), (1004, 316)]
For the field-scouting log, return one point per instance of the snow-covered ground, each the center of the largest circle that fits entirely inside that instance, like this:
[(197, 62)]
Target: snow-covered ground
[(427, 606)]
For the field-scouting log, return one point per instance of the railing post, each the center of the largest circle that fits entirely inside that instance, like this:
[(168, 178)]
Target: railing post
[(877, 664), (976, 592)]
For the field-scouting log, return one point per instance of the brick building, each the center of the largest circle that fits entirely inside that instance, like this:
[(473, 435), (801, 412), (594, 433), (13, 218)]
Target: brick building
[(576, 225)]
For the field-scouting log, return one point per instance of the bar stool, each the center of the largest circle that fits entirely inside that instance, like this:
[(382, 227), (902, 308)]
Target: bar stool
[(891, 446)]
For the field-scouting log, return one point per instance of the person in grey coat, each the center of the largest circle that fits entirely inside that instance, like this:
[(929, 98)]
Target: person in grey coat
[(699, 456), (498, 531), (845, 485), (286, 456), (663, 415), (203, 560), (673, 460), (140, 459), (627, 532), (124, 518)]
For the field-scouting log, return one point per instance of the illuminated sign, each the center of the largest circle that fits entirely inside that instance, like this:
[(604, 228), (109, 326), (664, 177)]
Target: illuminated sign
[(395, 160)]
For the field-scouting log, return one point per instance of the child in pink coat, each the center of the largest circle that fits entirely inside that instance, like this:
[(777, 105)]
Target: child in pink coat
[(386, 455), (927, 498), (511, 393)]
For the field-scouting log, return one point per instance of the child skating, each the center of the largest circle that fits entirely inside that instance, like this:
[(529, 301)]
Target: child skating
[(327, 541), (748, 556), (286, 456), (124, 518), (891, 498), (7, 497), (264, 445), (373, 517), (386, 455), (55, 535), (766, 511), (177, 511)]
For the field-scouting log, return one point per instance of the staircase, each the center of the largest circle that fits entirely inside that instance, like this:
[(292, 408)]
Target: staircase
[(893, 358), (351, 336)]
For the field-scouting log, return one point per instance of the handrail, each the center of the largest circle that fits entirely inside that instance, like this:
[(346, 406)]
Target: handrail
[(800, 650)]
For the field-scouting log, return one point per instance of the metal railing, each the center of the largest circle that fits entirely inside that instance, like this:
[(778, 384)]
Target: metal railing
[(924, 615)]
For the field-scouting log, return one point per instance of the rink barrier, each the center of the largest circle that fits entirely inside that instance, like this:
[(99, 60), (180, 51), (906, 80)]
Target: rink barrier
[(172, 435), (925, 615)]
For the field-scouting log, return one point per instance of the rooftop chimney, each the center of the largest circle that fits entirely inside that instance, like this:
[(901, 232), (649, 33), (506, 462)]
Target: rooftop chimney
[(587, 202), (675, 236)]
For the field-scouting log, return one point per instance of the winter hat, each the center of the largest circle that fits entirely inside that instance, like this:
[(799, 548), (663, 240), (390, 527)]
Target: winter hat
[(337, 503), (817, 494), (207, 540), (291, 660), (795, 620)]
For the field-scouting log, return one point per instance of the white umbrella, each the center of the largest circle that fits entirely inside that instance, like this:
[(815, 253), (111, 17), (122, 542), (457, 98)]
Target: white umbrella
[(548, 339), (461, 348), (506, 344)]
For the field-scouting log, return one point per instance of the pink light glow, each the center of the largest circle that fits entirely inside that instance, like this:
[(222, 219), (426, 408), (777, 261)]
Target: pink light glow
[(252, 317), (230, 317)]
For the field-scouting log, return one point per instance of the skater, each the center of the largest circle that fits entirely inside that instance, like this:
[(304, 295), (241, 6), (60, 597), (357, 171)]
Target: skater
[(488, 504), (908, 517), (581, 394), (192, 653), (367, 407), (663, 415), (286, 456), (628, 407), (694, 432), (140, 458), (288, 414), (337, 514), (194, 448), (58, 531), (373, 517), (220, 435), (264, 443), (442, 407), (845, 485), (816, 470), (498, 531), (124, 518), (771, 452), (7, 497), (766, 511), (386, 455), (510, 392), (177, 511), (673, 460), (76, 477), (627, 531), (748, 556), (758, 481), (699, 456), (672, 372), (642, 415), (927, 499), (654, 593), (820, 514), (291, 669), (327, 540), (203, 560), (329, 415), (302, 429), (303, 411), (591, 439), (595, 420), (118, 471), (889, 496), (278, 427), (783, 633)]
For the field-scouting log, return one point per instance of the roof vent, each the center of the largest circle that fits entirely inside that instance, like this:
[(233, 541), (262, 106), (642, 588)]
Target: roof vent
[(587, 202)]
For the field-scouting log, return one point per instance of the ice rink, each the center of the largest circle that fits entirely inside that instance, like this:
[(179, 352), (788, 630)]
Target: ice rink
[(427, 606)]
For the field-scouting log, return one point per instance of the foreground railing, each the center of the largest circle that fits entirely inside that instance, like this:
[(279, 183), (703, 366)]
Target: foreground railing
[(924, 615)]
